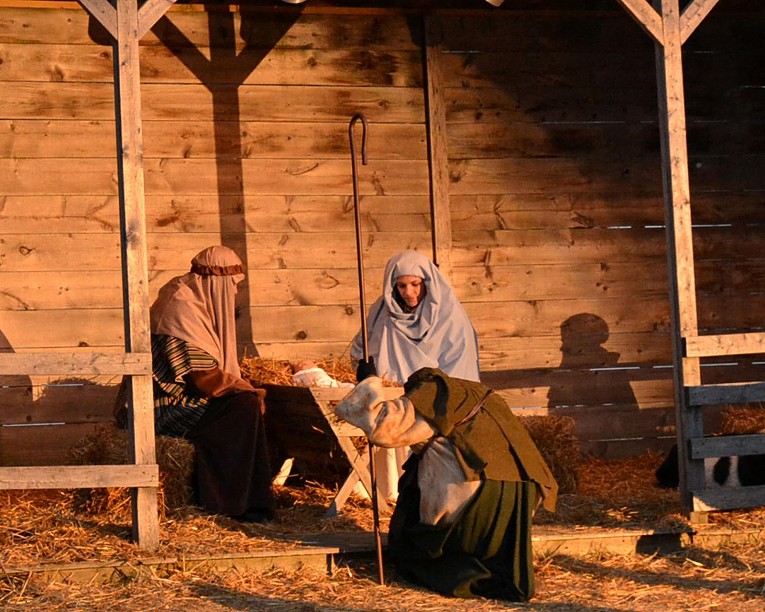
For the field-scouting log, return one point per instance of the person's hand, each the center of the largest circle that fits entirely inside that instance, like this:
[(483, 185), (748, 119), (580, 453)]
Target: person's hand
[(365, 369)]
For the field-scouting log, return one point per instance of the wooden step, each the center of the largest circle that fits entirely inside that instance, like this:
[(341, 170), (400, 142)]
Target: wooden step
[(315, 557), (320, 551)]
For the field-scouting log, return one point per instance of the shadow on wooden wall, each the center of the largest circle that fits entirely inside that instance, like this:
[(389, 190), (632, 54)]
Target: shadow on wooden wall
[(222, 74)]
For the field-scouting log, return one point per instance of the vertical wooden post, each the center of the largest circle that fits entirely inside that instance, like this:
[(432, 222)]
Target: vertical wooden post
[(438, 155), (677, 206), (135, 284)]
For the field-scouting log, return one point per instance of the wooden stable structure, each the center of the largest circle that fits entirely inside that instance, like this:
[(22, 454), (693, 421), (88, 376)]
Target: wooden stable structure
[(670, 28), (519, 145)]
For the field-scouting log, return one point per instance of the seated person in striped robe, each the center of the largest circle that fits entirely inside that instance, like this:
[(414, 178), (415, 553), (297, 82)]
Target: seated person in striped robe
[(462, 523), (199, 393)]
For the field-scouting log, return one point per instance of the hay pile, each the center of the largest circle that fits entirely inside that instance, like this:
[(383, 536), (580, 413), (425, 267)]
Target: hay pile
[(559, 447), (262, 371), (109, 445), (743, 419), (46, 531)]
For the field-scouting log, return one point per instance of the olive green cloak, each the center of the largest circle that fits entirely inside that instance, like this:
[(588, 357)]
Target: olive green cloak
[(487, 550), (493, 444)]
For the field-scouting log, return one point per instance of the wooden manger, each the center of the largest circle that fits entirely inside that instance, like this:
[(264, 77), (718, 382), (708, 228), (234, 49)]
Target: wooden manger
[(302, 425)]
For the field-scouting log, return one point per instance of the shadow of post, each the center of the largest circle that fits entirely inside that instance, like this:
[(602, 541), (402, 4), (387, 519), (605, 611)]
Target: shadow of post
[(223, 74)]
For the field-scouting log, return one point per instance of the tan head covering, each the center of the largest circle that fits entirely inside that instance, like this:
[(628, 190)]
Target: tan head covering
[(198, 307)]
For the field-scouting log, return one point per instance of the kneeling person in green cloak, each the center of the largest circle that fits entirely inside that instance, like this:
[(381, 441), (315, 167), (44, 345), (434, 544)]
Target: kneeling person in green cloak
[(462, 523)]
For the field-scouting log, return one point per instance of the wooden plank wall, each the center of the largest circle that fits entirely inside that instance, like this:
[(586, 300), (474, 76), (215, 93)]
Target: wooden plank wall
[(246, 144), (554, 179), (556, 200)]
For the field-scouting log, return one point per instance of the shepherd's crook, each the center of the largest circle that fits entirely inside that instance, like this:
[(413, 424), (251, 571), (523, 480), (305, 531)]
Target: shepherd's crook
[(359, 256), (362, 304)]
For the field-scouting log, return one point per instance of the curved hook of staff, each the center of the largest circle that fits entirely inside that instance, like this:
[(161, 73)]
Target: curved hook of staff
[(357, 217)]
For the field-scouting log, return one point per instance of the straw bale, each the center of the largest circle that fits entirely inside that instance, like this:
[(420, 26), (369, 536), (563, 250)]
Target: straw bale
[(743, 419), (559, 447), (109, 445)]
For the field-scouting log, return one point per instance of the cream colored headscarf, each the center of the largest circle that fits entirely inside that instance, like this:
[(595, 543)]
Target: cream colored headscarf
[(198, 307)]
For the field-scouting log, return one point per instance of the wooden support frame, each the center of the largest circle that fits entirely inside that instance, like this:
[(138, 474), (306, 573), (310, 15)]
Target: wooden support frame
[(135, 281), (725, 344), (646, 17), (679, 238), (725, 446), (79, 476), (126, 24), (707, 500), (75, 364), (326, 399), (438, 156), (738, 393), (69, 477), (670, 28)]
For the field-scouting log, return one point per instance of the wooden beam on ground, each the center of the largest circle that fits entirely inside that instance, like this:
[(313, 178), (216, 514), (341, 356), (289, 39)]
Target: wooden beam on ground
[(74, 364), (90, 573), (725, 344), (438, 156), (646, 17), (150, 13), (134, 265), (103, 12), (726, 446), (693, 15), (79, 477)]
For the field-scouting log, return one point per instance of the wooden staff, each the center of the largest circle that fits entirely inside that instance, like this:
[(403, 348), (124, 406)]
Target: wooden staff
[(362, 304)]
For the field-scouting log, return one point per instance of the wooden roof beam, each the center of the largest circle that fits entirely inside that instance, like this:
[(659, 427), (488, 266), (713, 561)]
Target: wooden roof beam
[(647, 18), (693, 15), (104, 13), (150, 13)]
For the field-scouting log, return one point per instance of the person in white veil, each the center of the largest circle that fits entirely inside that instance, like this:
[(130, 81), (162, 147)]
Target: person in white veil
[(416, 323)]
